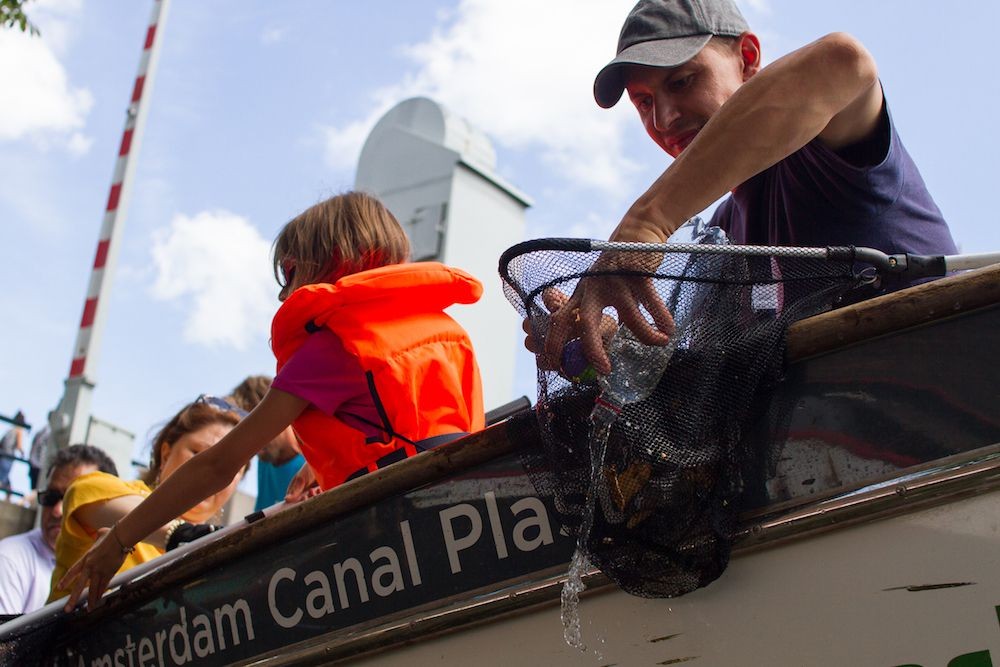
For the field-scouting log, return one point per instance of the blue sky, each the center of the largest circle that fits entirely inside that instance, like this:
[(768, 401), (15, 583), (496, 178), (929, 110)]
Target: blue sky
[(259, 110)]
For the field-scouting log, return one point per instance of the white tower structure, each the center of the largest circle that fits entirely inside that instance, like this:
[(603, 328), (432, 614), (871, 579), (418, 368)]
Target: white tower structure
[(436, 173)]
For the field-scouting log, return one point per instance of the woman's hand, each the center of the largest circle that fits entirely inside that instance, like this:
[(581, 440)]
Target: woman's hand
[(303, 486), (94, 571)]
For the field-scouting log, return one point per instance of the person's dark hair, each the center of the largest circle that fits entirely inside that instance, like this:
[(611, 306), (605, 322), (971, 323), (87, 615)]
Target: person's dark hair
[(191, 418), (76, 455), (250, 392)]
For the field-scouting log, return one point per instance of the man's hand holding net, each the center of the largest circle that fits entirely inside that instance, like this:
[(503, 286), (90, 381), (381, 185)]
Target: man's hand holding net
[(618, 279)]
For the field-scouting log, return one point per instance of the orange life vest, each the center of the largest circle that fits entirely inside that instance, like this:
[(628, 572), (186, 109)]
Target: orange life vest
[(418, 361)]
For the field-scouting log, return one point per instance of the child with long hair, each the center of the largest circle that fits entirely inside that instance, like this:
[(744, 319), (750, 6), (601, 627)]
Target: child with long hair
[(370, 369)]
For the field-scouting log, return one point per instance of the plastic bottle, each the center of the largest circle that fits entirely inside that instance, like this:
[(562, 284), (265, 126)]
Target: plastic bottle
[(636, 369), (635, 366)]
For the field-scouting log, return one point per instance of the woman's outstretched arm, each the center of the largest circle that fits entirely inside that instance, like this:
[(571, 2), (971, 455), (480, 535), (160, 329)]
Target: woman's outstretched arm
[(205, 474)]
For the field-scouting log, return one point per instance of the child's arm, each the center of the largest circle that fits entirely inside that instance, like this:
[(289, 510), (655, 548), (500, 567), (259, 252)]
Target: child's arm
[(205, 474), (106, 513)]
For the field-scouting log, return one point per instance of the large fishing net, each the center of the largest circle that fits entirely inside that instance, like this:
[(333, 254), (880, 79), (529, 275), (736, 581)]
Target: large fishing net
[(648, 464)]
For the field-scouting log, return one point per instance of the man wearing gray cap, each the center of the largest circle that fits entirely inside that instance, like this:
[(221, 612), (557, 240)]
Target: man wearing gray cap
[(806, 145)]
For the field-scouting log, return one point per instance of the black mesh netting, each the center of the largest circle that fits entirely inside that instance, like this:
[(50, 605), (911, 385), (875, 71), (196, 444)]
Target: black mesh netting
[(658, 508)]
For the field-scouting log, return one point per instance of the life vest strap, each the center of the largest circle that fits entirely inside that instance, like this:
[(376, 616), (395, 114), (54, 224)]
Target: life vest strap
[(406, 451)]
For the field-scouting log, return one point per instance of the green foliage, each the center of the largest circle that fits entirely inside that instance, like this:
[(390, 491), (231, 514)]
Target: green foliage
[(12, 16)]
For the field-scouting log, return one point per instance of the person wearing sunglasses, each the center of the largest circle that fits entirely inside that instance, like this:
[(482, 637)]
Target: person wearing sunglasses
[(27, 560), (95, 502)]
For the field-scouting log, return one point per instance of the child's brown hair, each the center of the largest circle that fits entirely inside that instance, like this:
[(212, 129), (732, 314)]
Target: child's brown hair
[(342, 235)]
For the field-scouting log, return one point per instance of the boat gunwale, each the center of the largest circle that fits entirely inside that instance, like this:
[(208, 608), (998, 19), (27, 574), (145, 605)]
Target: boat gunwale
[(916, 306)]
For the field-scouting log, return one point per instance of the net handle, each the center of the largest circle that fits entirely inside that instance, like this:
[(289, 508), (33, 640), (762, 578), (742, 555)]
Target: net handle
[(911, 264), (729, 249), (971, 261), (838, 253)]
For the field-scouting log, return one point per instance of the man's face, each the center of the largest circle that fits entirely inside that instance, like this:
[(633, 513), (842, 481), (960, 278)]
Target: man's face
[(674, 103), (60, 480)]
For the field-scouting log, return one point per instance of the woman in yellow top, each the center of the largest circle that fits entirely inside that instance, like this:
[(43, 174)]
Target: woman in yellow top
[(96, 501)]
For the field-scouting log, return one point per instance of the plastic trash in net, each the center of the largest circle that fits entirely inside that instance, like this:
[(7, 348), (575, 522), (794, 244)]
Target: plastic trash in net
[(655, 505)]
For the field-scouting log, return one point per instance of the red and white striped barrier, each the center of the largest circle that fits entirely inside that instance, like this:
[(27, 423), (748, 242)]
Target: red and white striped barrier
[(87, 338)]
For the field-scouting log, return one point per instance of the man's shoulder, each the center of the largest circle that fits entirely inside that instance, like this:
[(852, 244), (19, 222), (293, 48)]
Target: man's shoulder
[(20, 546)]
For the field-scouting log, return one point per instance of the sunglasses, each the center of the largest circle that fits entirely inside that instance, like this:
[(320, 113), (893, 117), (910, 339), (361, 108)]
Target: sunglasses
[(49, 497), (220, 404)]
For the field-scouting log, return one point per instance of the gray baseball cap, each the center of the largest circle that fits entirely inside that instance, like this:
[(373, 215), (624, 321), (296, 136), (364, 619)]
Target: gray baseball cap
[(665, 33)]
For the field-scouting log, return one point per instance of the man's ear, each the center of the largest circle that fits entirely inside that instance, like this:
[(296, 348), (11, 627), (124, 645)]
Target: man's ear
[(750, 54)]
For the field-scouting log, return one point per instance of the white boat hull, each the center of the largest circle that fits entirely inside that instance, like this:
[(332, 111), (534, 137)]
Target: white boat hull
[(919, 589)]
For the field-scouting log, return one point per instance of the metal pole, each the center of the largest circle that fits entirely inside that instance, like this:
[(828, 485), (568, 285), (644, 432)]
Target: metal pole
[(70, 420), (965, 262)]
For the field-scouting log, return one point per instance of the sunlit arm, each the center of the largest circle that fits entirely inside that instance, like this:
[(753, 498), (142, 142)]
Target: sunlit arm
[(206, 474), (213, 469)]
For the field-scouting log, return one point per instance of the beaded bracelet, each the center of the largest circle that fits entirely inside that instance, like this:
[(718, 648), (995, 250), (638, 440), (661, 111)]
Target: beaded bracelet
[(126, 551)]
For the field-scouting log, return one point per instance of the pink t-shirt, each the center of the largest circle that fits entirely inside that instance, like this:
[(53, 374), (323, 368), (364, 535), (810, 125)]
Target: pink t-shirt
[(323, 373)]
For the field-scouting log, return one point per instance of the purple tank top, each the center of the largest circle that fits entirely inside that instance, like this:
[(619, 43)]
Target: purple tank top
[(815, 197)]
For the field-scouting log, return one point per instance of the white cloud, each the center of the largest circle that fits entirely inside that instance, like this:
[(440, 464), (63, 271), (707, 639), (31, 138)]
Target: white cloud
[(522, 71), (217, 265), (342, 145), (78, 144), (37, 101), (55, 20), (273, 35)]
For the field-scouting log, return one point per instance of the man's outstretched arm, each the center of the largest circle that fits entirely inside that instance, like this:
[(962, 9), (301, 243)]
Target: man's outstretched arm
[(828, 89)]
